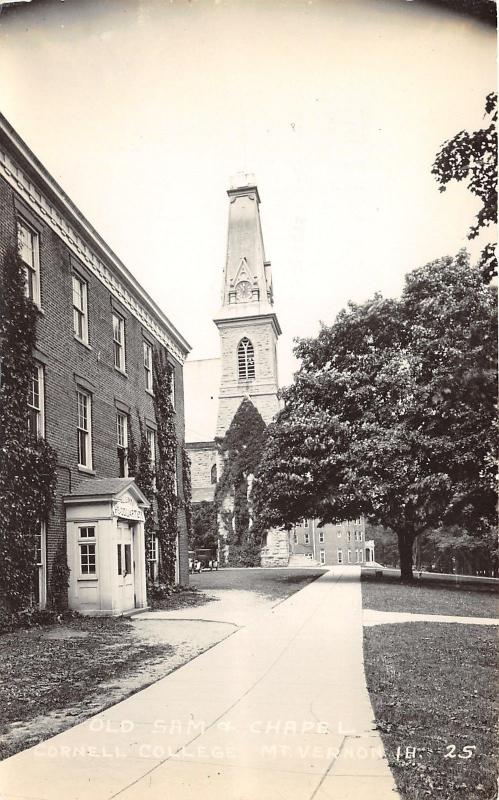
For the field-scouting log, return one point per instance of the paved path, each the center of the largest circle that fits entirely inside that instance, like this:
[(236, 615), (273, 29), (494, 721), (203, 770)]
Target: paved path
[(279, 709), (371, 617)]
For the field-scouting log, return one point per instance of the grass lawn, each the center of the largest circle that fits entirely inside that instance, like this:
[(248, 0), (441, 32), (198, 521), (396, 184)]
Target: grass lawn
[(433, 687), (60, 667), (273, 583), (428, 599)]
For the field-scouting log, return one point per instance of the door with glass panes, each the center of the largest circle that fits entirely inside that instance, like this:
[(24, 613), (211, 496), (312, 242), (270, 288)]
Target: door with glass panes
[(126, 579)]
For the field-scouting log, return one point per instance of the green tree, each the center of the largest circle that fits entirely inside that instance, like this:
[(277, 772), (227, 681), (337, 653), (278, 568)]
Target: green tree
[(27, 464), (473, 157), (241, 450), (204, 525), (392, 414)]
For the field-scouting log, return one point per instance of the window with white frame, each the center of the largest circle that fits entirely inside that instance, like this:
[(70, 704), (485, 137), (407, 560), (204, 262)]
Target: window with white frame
[(152, 557), (84, 428), (119, 342), (349, 554), (148, 365), (122, 441), (80, 308), (321, 536), (172, 387), (39, 545), (360, 536), (361, 556), (88, 550), (152, 550), (338, 533), (40, 587), (151, 441), (349, 536), (295, 537), (29, 250), (36, 421), (306, 537), (356, 555), (339, 556), (322, 556), (245, 360)]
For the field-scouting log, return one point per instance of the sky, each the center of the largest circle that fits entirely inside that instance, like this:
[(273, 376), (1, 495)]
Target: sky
[(143, 110)]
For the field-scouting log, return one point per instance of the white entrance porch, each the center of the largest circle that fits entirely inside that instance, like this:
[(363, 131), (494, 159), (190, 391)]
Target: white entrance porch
[(106, 547)]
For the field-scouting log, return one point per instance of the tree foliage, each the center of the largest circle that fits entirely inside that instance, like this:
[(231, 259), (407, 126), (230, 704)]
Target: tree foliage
[(241, 450), (472, 157), (204, 532), (392, 413), (166, 495), (27, 465)]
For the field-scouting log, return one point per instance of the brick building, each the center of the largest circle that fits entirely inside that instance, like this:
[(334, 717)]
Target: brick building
[(343, 543), (96, 332)]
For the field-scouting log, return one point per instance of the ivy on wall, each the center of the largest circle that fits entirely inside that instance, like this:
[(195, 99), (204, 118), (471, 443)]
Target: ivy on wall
[(241, 450), (144, 478), (27, 464), (187, 491), (166, 495)]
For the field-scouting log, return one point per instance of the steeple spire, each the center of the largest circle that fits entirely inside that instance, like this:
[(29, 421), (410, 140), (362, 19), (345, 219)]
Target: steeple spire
[(247, 275)]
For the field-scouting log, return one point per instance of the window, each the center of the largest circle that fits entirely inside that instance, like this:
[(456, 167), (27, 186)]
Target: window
[(120, 568), (321, 537), (361, 556), (295, 537), (148, 365), (84, 429), (119, 342), (87, 545), (40, 583), (339, 556), (36, 422), (306, 537), (356, 555), (322, 556), (338, 533), (152, 550), (349, 536), (349, 556), (80, 317), (151, 441), (245, 360), (152, 557), (213, 474), (122, 438), (29, 251), (360, 536), (172, 388), (128, 559)]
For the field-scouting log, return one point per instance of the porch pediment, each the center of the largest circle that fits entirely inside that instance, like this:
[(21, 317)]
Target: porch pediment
[(126, 499)]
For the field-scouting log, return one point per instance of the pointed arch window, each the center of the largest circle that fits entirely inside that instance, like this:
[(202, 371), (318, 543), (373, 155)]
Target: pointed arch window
[(245, 360), (213, 474)]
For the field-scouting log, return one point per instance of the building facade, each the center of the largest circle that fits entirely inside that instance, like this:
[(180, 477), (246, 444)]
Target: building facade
[(247, 367), (92, 389), (330, 544)]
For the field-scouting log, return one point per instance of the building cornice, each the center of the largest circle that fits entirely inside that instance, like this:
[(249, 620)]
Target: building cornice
[(29, 178), (233, 321)]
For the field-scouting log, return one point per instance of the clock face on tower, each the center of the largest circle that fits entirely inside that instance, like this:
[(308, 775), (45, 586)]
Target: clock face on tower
[(243, 291)]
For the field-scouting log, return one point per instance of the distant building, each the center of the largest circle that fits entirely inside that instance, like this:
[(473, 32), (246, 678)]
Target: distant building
[(331, 544), (96, 331), (247, 367)]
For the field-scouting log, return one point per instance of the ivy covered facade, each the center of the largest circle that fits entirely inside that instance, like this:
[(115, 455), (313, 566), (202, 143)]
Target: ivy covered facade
[(88, 392)]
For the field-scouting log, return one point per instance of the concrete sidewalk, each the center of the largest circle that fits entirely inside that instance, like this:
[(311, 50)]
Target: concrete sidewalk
[(278, 710)]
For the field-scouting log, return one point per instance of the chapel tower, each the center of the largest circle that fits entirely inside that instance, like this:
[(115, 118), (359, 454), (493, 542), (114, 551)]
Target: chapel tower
[(246, 321)]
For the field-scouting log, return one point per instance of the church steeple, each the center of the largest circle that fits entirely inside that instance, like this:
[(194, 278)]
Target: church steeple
[(246, 321), (247, 277)]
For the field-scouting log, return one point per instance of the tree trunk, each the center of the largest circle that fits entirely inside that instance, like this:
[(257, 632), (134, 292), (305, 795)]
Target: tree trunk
[(405, 542)]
